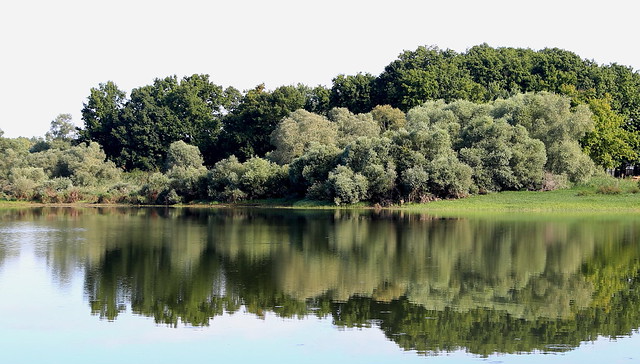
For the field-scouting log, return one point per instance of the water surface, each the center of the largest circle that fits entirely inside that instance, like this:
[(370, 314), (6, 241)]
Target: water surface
[(169, 285)]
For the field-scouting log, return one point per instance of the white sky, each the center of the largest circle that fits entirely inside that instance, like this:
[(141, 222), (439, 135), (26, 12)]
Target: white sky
[(53, 52)]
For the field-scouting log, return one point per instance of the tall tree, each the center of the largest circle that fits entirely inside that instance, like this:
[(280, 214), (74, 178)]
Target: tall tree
[(353, 92), (62, 129), (136, 133), (101, 115), (247, 128)]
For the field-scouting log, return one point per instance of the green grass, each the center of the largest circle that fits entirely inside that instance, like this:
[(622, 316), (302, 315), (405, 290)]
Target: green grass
[(8, 203), (570, 200)]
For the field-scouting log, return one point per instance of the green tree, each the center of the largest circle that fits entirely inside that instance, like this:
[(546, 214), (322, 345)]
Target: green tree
[(311, 170), (389, 118), (347, 187), (247, 128), (353, 92), (318, 99), (297, 132), (184, 166), (62, 130), (101, 115), (183, 155), (136, 133), (609, 144), (352, 126), (427, 73)]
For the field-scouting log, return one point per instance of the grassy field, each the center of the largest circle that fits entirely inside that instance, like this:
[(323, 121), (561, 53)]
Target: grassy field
[(571, 200), (601, 194)]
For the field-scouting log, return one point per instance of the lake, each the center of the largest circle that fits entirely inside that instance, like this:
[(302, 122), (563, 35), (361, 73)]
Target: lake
[(156, 285)]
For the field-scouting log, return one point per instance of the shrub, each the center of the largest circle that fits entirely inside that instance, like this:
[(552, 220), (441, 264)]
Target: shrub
[(188, 182), (157, 184), (312, 167), (608, 190), (119, 192), (183, 155), (22, 188), (232, 181), (347, 187), (552, 181), (170, 197), (261, 178), (53, 191), (86, 165), (73, 195), (415, 183), (224, 174), (448, 177), (230, 194), (567, 158)]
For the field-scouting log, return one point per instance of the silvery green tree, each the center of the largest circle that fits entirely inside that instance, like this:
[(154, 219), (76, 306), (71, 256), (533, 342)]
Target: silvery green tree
[(62, 129), (352, 126), (184, 166), (297, 132), (551, 119)]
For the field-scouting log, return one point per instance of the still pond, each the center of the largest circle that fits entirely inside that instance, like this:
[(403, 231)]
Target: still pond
[(125, 285)]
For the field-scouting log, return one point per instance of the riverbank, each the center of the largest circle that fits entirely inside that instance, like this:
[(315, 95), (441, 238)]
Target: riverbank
[(537, 201), (566, 200)]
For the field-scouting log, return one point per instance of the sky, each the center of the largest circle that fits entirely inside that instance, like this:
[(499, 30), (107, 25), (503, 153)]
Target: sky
[(53, 52)]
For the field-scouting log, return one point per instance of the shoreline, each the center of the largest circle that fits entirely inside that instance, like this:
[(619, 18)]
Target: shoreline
[(567, 201)]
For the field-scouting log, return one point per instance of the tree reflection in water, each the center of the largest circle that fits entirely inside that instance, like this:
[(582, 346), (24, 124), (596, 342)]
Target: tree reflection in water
[(430, 284)]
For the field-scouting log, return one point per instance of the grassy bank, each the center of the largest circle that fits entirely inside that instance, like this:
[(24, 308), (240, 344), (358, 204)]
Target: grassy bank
[(601, 194), (597, 196), (570, 200)]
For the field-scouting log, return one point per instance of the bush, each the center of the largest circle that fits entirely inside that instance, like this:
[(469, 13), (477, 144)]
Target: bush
[(567, 158), (609, 190), (224, 173), (232, 181), (261, 178), (183, 155), (170, 197), (73, 195), (157, 184), (188, 182), (347, 187), (551, 182), (86, 165), (449, 177), (230, 194), (22, 188), (312, 168), (53, 191), (415, 184), (120, 192)]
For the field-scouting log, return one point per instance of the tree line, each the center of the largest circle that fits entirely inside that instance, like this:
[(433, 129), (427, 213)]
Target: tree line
[(435, 123)]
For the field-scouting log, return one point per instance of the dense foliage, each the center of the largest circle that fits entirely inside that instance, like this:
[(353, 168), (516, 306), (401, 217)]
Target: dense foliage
[(434, 124)]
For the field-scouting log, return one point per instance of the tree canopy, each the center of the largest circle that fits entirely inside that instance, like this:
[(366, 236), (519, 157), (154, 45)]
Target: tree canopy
[(434, 124), (136, 131)]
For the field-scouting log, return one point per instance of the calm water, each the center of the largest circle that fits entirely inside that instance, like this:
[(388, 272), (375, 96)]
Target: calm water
[(167, 285)]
